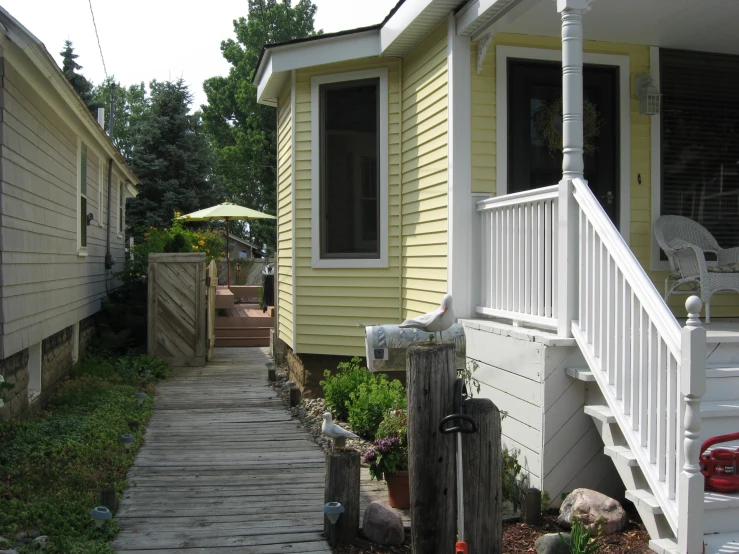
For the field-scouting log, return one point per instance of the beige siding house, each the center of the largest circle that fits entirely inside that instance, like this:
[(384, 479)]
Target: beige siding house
[(519, 154), (55, 162)]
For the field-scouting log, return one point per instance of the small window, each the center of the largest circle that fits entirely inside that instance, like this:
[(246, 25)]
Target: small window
[(349, 169), (83, 196), (121, 208)]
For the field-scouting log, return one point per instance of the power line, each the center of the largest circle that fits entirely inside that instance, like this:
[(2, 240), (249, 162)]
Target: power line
[(98, 39)]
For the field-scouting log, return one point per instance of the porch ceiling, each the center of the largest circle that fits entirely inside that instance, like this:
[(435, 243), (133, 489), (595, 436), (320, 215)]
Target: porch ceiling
[(705, 25)]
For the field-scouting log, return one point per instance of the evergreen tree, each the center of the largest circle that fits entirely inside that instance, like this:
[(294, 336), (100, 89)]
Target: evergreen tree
[(80, 84), (171, 156), (243, 133)]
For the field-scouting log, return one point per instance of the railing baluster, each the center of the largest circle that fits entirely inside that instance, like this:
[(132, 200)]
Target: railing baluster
[(672, 415), (597, 296), (652, 390), (661, 409), (626, 339), (643, 375), (548, 259), (528, 240), (555, 259)]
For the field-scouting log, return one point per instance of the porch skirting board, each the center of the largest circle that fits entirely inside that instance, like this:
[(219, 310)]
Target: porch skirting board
[(523, 372)]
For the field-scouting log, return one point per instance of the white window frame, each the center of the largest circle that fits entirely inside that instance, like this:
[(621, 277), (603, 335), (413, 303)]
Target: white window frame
[(656, 162), (102, 178), (81, 250), (503, 53), (316, 82)]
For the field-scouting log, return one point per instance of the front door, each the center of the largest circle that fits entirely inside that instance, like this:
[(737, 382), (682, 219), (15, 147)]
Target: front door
[(535, 129)]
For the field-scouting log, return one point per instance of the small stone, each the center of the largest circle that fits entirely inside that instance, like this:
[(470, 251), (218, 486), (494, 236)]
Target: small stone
[(594, 509), (382, 525), (4, 541), (8, 552), (552, 544), (41, 542)]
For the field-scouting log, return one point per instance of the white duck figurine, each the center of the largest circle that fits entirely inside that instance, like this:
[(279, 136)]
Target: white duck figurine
[(436, 321)]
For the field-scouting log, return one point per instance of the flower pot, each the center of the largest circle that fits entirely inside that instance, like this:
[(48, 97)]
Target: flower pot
[(398, 490)]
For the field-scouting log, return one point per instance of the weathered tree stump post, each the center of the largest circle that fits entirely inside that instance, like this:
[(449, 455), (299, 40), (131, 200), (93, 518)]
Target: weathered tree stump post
[(342, 485), (431, 376), (483, 464), (531, 509), (294, 397)]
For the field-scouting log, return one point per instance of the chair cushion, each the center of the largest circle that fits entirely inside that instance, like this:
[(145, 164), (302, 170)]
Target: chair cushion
[(728, 268)]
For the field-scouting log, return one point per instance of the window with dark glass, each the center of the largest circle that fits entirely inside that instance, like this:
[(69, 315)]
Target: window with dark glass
[(349, 169), (700, 140)]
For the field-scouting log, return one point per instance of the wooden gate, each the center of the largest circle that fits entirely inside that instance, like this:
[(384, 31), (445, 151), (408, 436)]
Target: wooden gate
[(176, 312), (212, 284)]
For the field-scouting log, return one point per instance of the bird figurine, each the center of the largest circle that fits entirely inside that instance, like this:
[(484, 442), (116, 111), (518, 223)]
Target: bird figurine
[(436, 321), (338, 434)]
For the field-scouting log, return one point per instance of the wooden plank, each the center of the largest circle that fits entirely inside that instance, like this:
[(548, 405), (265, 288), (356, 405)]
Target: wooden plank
[(224, 467)]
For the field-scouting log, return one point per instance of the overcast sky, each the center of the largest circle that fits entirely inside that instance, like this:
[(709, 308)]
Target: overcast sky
[(162, 39)]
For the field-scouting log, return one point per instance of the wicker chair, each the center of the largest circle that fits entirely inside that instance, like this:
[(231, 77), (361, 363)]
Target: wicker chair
[(685, 242)]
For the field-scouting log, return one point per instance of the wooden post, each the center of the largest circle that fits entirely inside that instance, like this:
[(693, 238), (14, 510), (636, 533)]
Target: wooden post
[(294, 397), (692, 387), (342, 485), (431, 461), (531, 506), (483, 464)]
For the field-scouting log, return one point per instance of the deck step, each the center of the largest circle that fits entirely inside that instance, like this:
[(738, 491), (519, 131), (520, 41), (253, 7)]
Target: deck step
[(243, 332), (602, 413), (623, 454), (241, 341), (581, 374), (720, 408), (645, 500), (663, 546)]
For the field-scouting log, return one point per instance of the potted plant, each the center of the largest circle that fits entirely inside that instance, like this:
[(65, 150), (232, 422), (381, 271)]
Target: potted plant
[(388, 458)]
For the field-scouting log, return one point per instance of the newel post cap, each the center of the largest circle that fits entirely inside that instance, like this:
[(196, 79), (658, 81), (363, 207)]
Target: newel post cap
[(693, 347)]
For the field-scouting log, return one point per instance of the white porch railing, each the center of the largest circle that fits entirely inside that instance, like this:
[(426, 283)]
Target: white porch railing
[(519, 257), (651, 373)]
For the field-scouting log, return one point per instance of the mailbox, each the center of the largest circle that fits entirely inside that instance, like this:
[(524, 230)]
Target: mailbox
[(387, 345)]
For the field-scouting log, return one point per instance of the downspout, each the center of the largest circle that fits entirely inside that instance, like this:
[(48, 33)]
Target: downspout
[(109, 261), (400, 191)]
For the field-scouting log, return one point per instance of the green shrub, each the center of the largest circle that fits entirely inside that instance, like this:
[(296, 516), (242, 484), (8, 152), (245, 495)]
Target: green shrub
[(513, 481), (581, 539), (371, 401), (338, 388)]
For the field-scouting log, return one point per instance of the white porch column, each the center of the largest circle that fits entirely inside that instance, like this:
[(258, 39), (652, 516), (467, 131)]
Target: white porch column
[(461, 211), (572, 160)]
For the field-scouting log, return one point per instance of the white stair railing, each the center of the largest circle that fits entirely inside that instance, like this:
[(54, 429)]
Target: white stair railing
[(519, 257), (633, 345)]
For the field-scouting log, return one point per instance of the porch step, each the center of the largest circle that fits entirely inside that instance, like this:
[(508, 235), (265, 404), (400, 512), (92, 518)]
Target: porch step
[(721, 543), (644, 500), (581, 374), (623, 454), (601, 413)]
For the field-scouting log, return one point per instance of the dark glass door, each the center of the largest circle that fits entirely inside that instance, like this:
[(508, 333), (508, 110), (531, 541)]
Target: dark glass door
[(535, 129)]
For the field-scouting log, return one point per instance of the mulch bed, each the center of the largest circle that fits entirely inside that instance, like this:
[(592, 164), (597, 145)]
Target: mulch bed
[(519, 538)]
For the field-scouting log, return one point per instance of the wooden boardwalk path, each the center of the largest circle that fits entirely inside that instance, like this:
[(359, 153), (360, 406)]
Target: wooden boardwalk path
[(224, 468)]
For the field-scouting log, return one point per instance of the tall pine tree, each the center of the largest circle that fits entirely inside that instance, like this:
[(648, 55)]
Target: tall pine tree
[(80, 84), (243, 133), (171, 156)]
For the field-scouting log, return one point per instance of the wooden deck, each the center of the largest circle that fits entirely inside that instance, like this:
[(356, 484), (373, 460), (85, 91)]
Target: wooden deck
[(224, 468)]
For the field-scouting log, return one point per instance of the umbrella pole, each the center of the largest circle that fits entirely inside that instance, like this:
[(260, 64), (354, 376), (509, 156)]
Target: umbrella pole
[(228, 259)]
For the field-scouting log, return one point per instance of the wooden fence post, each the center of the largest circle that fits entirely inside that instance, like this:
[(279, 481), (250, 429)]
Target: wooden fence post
[(431, 376), (483, 464), (531, 510), (342, 485)]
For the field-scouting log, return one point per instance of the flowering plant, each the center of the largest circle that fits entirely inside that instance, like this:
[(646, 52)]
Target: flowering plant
[(387, 456)]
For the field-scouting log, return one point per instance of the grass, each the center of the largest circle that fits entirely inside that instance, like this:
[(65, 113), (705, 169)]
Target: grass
[(52, 466)]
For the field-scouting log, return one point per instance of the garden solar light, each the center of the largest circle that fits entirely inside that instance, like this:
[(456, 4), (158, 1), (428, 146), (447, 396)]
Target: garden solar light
[(147, 372), (289, 384), (333, 510), (127, 440), (140, 396), (100, 514)]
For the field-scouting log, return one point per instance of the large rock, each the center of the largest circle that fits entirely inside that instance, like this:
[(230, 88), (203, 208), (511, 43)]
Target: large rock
[(551, 544), (382, 525), (592, 508)]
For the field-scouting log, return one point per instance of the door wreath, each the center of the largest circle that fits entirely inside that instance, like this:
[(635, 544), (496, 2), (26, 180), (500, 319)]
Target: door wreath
[(548, 123)]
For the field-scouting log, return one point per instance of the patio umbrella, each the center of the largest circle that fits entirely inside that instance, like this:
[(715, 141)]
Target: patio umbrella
[(226, 211)]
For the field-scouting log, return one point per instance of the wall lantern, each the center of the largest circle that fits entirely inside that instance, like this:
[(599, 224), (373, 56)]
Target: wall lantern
[(649, 96)]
